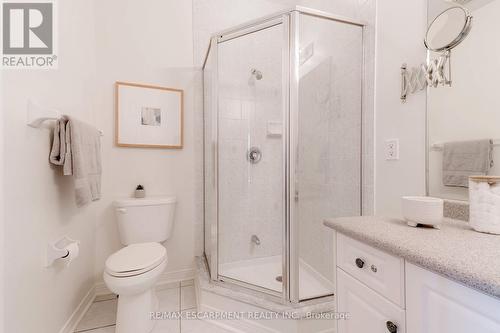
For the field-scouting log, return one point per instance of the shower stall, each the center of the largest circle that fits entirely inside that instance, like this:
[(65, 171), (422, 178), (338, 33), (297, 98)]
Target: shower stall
[(282, 150)]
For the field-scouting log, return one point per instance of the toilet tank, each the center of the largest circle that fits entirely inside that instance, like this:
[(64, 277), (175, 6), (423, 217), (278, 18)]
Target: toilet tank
[(145, 220)]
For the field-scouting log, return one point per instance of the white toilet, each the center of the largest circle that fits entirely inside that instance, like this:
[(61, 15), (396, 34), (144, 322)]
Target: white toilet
[(133, 271)]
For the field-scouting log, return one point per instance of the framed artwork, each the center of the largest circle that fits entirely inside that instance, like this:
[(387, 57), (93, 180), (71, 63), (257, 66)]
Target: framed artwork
[(148, 116)]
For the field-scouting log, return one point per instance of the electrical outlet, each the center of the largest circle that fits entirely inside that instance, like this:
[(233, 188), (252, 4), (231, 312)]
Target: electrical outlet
[(392, 149)]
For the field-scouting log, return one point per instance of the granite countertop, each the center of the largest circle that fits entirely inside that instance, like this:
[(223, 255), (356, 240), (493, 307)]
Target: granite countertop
[(456, 251)]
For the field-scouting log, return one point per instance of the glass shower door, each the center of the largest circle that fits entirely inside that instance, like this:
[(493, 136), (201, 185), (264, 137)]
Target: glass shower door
[(250, 158), (326, 117)]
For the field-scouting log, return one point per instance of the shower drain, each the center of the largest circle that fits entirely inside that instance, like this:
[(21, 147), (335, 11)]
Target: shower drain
[(279, 278)]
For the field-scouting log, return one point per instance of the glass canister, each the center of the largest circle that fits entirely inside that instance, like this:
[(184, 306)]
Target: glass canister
[(484, 203)]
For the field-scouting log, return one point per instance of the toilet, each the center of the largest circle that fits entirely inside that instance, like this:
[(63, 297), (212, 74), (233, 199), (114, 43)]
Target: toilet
[(132, 272)]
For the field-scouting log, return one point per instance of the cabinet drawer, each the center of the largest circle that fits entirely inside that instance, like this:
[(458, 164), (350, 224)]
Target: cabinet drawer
[(378, 270), (368, 311)]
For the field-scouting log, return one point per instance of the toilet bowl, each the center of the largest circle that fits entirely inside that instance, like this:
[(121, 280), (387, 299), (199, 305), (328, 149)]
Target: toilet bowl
[(133, 271)]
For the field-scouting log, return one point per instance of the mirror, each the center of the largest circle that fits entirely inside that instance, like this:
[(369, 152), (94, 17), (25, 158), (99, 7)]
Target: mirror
[(448, 29), (469, 109)]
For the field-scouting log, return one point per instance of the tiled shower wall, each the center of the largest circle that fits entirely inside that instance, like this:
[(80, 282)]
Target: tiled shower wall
[(211, 16)]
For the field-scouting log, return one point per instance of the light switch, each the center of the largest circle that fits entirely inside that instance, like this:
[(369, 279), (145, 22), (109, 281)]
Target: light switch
[(392, 149)]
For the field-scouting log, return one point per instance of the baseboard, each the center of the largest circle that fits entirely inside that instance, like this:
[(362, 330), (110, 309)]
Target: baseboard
[(165, 278), (101, 289), (80, 311)]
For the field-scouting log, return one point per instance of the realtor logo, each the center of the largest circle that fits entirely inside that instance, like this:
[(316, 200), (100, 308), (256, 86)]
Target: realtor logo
[(28, 35)]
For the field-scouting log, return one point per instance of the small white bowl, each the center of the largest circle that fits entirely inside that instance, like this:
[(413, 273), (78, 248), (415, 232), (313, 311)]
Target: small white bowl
[(423, 210)]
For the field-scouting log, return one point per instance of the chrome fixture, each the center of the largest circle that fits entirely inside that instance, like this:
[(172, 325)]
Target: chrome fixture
[(444, 33), (255, 239), (256, 73), (254, 155)]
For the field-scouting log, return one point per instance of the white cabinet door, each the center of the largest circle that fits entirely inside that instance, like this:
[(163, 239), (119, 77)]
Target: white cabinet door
[(368, 311), (437, 305)]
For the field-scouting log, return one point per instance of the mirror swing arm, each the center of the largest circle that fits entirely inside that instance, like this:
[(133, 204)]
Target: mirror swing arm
[(437, 72)]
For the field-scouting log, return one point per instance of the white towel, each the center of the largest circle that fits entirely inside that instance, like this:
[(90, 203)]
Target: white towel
[(77, 148)]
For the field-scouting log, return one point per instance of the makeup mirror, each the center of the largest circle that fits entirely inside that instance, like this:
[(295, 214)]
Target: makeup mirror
[(448, 29)]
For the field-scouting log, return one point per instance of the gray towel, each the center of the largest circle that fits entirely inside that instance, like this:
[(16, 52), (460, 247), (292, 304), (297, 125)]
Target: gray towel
[(464, 159), (77, 148)]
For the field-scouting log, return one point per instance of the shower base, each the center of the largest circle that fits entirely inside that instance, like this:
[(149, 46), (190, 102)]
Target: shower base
[(266, 271), (216, 297)]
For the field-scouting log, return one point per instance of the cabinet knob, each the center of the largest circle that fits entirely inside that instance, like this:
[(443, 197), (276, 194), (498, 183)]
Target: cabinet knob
[(391, 327), (360, 262), (374, 268)]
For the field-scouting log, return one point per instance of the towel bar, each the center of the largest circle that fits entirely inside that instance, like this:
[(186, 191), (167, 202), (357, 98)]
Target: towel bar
[(38, 115), (438, 146)]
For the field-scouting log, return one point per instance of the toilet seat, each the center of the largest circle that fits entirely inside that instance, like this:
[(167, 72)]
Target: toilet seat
[(136, 259)]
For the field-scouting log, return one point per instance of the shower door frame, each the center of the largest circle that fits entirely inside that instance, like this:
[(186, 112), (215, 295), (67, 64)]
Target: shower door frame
[(289, 19)]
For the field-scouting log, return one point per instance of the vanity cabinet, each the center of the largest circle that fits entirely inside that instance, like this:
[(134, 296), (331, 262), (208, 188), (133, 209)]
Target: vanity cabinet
[(436, 305), (384, 294)]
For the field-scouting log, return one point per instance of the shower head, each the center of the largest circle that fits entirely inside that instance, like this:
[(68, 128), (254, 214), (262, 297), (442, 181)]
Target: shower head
[(256, 73)]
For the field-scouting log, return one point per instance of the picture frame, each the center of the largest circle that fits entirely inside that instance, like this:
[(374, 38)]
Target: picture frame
[(148, 116)]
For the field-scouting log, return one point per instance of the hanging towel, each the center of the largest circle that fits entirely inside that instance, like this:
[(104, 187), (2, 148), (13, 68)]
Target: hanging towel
[(466, 158), (77, 148)]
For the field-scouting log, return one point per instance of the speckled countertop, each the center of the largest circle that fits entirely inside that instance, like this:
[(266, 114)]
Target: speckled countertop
[(456, 251)]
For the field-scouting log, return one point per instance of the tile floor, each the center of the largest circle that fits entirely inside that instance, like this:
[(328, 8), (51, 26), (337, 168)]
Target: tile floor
[(178, 296)]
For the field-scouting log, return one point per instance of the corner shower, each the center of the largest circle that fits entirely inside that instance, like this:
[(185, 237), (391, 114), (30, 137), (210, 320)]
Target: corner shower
[(282, 150)]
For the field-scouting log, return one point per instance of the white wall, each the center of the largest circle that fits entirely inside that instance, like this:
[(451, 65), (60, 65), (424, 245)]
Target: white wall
[(39, 201), (400, 30), (136, 41), (148, 42)]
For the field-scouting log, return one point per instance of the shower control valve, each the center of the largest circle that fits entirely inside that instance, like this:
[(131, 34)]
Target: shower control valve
[(254, 155)]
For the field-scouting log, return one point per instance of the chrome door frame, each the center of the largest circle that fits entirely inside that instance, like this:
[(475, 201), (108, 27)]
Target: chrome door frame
[(213, 264), (290, 84), (245, 29), (293, 138)]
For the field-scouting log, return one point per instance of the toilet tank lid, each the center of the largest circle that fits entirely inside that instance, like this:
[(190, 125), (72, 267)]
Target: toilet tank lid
[(151, 201)]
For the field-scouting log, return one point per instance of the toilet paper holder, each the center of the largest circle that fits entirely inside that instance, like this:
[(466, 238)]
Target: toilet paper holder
[(59, 249)]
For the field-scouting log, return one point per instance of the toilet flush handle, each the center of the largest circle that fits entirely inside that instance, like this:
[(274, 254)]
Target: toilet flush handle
[(121, 210)]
